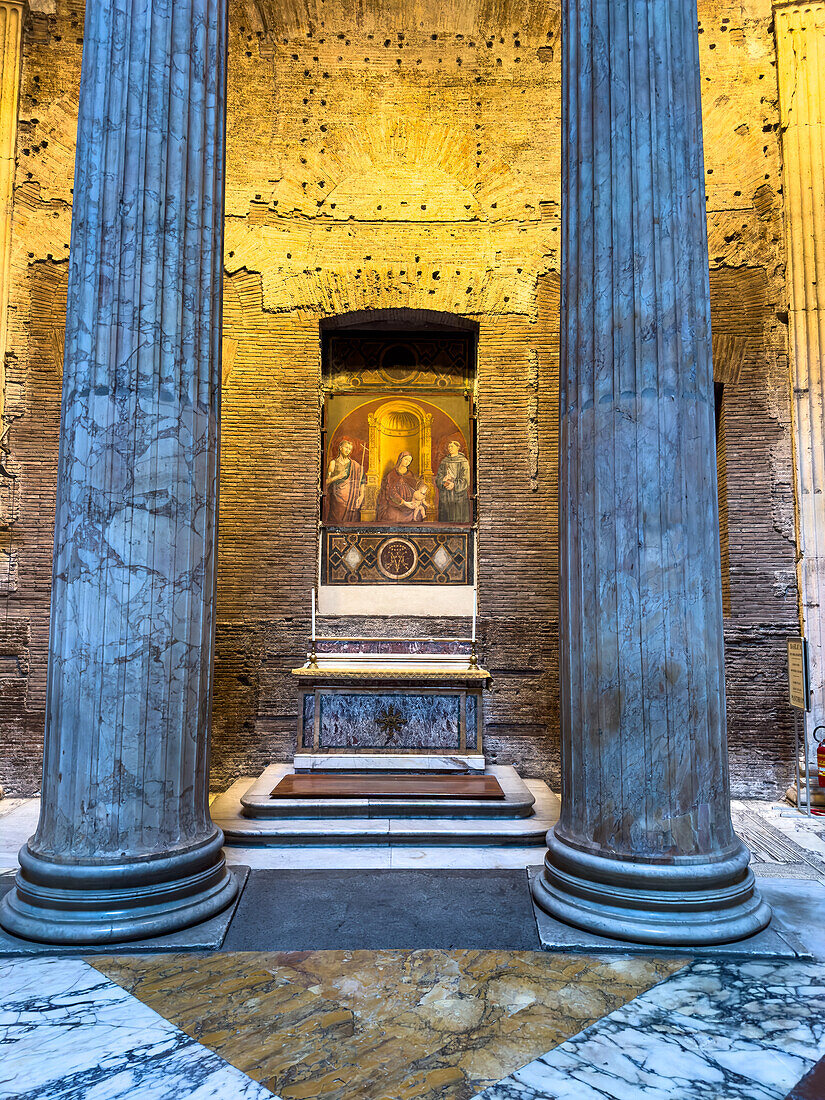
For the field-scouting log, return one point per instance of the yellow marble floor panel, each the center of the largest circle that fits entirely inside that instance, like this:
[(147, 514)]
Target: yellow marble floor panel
[(383, 1025)]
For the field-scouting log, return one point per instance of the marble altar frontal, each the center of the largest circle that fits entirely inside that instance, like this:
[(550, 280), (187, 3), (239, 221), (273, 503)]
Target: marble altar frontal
[(397, 721), (374, 696), (377, 719)]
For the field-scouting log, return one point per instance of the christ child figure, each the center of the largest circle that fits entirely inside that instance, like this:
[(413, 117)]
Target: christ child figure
[(419, 511)]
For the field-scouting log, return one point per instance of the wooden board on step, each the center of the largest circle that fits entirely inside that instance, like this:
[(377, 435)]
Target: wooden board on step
[(388, 785)]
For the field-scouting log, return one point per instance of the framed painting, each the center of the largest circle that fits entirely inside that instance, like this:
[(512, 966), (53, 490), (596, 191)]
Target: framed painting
[(398, 461)]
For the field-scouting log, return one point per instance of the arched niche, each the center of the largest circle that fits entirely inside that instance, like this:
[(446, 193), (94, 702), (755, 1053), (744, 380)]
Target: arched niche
[(397, 426)]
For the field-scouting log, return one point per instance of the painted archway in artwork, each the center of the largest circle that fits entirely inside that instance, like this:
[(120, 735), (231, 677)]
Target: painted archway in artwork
[(396, 426)]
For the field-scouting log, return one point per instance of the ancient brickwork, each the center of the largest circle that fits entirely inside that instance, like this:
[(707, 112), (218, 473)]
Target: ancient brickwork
[(406, 157)]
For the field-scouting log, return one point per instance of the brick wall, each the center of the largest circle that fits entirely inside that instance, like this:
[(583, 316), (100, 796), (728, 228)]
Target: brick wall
[(406, 156)]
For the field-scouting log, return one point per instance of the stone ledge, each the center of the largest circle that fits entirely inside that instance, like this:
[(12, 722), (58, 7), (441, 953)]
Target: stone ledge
[(350, 761), (370, 824), (256, 801)]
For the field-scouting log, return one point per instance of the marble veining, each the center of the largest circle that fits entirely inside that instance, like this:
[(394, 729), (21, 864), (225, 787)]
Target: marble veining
[(474, 727), (382, 1025), (134, 571), (734, 1030), (400, 761), (411, 646), (69, 1033), (645, 798), (307, 732), (134, 565), (642, 689), (811, 1086), (389, 720)]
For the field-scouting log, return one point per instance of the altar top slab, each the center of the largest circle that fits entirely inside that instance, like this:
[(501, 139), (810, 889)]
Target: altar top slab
[(385, 666), (410, 659)]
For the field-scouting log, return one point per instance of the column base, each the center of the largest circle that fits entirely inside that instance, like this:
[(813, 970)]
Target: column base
[(674, 904), (86, 903)]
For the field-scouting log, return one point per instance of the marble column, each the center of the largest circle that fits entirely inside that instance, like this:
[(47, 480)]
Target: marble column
[(800, 52), (11, 44), (644, 849), (125, 846)]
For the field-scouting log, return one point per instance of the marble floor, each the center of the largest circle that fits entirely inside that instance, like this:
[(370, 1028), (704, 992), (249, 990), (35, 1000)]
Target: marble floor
[(69, 1033), (383, 1025), (429, 1024), (745, 1030)]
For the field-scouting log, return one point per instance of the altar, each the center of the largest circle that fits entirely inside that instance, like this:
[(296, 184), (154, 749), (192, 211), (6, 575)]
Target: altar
[(389, 749), (390, 704)]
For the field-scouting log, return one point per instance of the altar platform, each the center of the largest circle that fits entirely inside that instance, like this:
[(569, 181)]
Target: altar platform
[(375, 824), (389, 749)]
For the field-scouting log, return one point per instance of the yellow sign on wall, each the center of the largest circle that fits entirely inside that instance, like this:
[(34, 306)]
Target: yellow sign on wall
[(798, 673)]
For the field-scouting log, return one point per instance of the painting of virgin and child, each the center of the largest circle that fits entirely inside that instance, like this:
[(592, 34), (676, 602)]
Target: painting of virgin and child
[(403, 495), (397, 460)]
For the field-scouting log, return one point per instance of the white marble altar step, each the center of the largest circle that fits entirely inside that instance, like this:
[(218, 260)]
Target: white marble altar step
[(377, 827), (327, 761), (256, 801)]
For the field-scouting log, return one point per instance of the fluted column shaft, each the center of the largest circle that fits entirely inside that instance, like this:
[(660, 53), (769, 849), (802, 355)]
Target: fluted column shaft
[(800, 42), (644, 848), (125, 821), (11, 51)]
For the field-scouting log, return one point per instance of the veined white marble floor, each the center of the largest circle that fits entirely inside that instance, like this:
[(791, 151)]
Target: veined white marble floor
[(18, 822), (714, 1031), (68, 1033)]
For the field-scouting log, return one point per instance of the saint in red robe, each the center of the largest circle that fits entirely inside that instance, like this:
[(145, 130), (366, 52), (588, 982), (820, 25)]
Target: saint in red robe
[(395, 488)]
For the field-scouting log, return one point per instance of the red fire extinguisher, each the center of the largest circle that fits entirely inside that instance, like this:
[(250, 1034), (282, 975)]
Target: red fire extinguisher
[(820, 754)]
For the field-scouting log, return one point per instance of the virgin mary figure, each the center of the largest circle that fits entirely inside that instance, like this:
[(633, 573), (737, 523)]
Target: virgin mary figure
[(395, 499)]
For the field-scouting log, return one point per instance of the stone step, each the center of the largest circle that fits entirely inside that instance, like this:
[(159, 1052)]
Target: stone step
[(379, 826), (257, 802)]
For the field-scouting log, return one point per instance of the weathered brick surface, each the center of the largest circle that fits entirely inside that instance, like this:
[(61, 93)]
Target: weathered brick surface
[(406, 156)]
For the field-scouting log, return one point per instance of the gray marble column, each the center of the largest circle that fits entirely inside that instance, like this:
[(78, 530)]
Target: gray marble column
[(644, 849), (125, 846)]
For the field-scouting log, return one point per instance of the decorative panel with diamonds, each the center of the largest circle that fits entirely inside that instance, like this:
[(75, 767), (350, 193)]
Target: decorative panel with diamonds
[(397, 556)]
